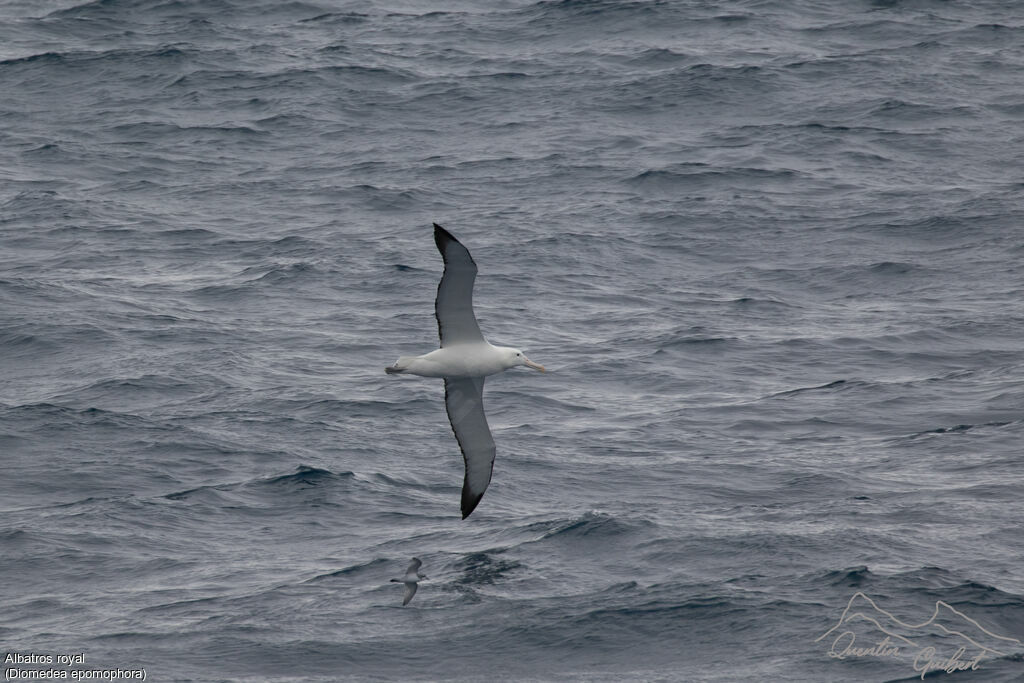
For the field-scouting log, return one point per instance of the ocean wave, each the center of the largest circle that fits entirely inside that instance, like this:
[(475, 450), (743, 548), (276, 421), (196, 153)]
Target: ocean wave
[(772, 256), (260, 492)]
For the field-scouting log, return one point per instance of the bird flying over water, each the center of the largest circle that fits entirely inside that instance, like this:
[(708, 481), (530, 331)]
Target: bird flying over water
[(412, 575), (464, 360)]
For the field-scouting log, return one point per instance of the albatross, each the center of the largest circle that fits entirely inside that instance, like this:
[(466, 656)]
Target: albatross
[(464, 360)]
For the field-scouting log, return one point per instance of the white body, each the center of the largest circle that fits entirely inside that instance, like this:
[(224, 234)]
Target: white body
[(463, 360)]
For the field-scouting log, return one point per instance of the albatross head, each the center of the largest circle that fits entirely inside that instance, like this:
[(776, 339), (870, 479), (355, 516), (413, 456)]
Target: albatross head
[(514, 357)]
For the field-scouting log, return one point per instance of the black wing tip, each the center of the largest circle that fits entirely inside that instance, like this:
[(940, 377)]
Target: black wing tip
[(469, 503), (442, 237)]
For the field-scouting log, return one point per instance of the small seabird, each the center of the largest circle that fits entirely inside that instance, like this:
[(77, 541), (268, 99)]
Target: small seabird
[(412, 575), (464, 360)]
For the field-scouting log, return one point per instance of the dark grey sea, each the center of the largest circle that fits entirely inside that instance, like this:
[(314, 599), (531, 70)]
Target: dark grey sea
[(771, 251)]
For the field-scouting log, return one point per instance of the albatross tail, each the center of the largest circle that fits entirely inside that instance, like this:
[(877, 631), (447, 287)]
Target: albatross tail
[(400, 365)]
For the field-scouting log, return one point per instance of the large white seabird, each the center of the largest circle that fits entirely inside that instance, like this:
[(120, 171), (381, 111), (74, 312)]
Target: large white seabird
[(463, 360)]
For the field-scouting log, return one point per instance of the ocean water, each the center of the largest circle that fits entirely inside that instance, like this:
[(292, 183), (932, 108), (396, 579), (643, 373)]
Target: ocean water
[(771, 252)]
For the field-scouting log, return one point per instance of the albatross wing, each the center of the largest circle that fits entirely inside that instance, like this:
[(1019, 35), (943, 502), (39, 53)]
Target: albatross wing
[(453, 307), (464, 399)]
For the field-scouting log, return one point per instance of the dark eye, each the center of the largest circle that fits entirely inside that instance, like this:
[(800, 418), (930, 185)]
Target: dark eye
[(519, 354)]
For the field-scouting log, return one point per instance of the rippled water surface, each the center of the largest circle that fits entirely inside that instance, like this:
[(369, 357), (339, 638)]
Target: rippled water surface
[(770, 251)]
